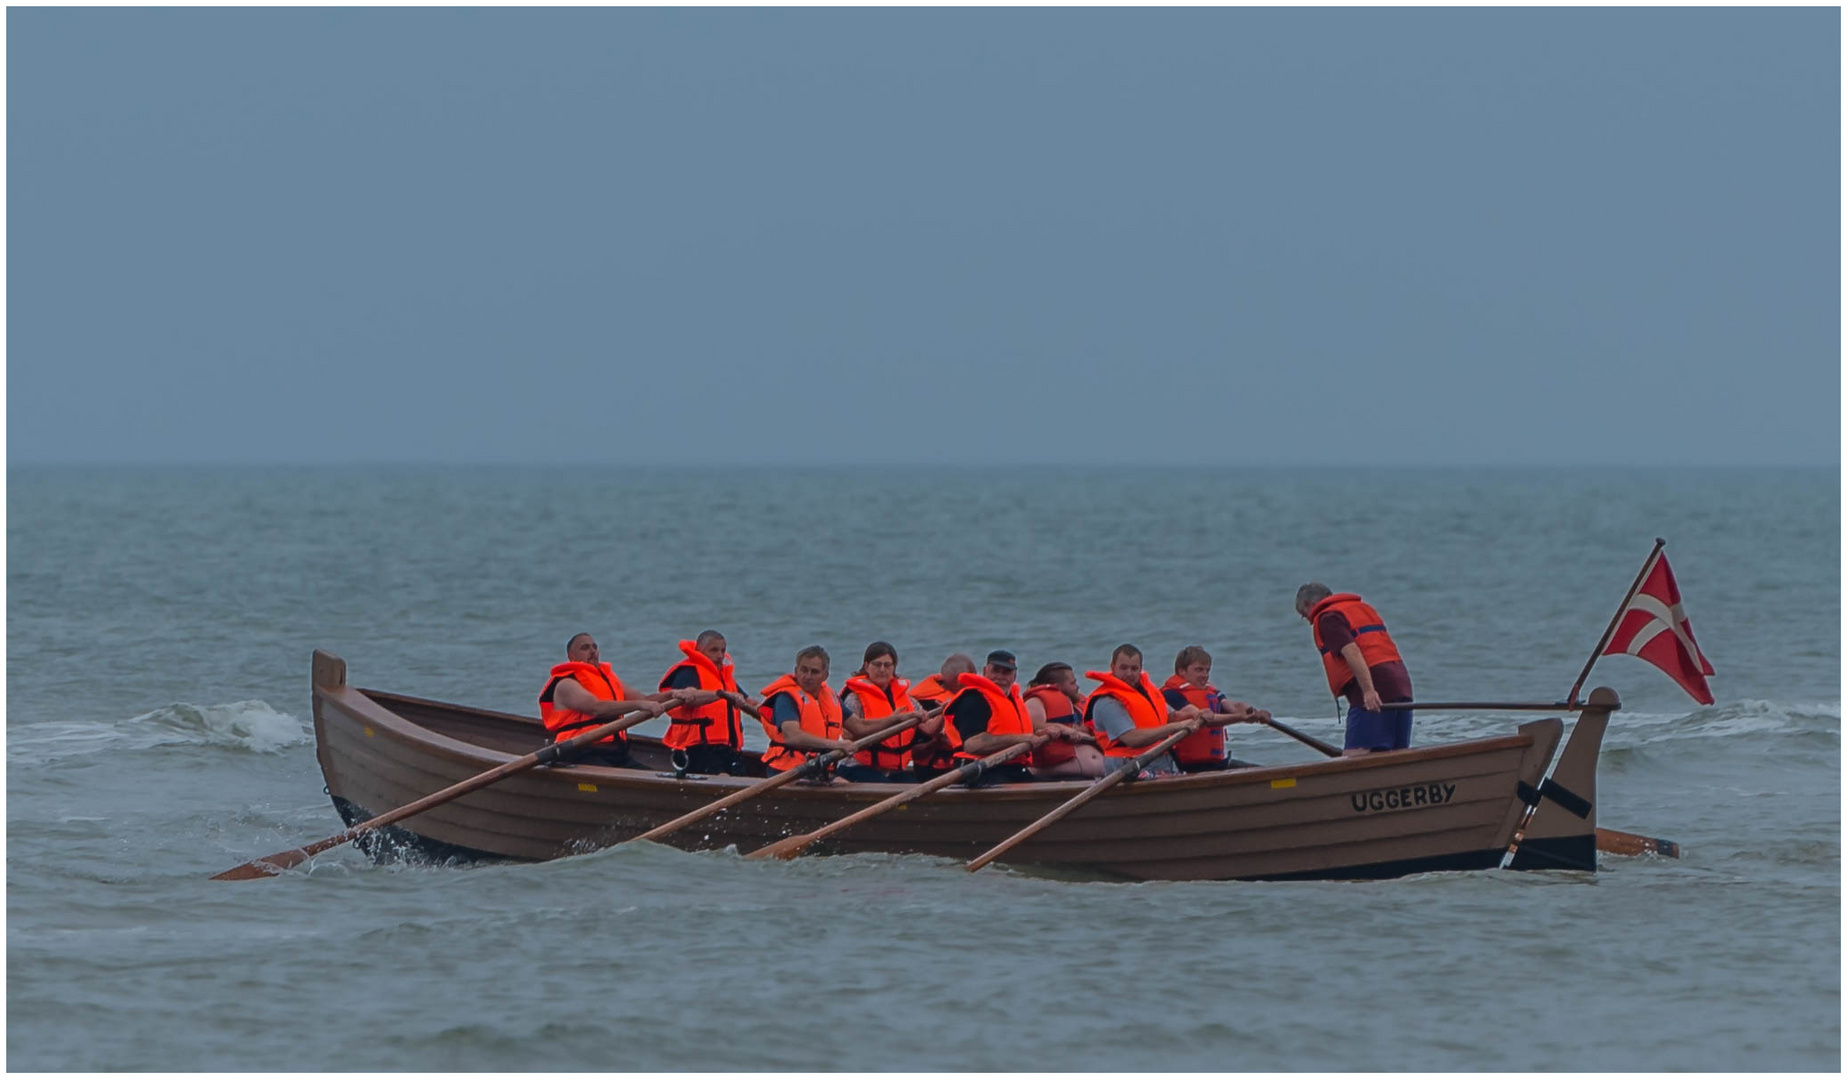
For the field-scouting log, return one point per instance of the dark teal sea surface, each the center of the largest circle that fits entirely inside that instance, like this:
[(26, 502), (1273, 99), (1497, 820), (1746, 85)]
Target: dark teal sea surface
[(160, 622)]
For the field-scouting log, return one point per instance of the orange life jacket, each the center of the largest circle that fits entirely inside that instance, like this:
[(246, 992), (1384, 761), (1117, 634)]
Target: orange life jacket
[(934, 753), (600, 682), (821, 717), (1059, 710), (893, 754), (1206, 746), (1370, 634), (1145, 704), (707, 725), (929, 692), (1007, 713)]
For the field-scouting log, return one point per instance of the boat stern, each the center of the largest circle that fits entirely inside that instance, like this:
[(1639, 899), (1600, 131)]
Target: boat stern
[(1563, 832)]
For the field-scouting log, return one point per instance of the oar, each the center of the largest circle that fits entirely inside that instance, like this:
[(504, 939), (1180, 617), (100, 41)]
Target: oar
[(789, 776), (790, 847), (1124, 772), (1307, 740), (1624, 843), (270, 865)]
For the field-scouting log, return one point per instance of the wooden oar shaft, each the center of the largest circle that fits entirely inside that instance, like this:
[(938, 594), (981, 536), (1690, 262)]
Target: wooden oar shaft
[(788, 776), (270, 865), (1117, 776), (791, 847), (1504, 706), (1307, 740)]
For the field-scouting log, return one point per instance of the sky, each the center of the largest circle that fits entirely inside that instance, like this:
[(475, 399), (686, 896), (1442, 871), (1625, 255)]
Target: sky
[(1225, 237)]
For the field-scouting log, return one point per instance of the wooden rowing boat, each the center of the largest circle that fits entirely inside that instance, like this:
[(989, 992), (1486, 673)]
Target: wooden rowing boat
[(1455, 806)]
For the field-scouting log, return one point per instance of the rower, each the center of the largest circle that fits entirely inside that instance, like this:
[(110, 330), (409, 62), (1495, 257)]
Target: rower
[(801, 714), (1205, 749), (706, 730), (872, 698), (1362, 664), (1128, 713), (583, 693), (1052, 704), (938, 755), (989, 714)]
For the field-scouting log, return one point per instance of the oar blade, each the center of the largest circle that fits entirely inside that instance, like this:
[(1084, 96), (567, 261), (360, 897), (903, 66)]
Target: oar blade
[(787, 848), (267, 866), (1615, 842)]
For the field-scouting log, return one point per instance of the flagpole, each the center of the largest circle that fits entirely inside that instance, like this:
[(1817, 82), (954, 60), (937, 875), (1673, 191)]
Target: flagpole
[(1572, 698)]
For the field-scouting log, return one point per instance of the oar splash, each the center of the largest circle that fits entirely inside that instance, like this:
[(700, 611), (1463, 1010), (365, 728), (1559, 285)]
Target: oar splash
[(271, 865)]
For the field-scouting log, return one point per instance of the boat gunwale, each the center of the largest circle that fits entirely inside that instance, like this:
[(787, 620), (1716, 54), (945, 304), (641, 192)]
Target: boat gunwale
[(361, 705)]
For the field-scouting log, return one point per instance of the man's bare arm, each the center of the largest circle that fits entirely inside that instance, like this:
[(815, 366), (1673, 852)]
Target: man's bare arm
[(1369, 697), (1138, 737), (569, 695), (984, 743), (797, 739)]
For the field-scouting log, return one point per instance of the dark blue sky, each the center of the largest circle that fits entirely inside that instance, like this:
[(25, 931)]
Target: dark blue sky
[(1303, 236)]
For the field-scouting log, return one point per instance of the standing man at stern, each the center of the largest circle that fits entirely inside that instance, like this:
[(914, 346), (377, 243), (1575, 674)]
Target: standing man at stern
[(1362, 664)]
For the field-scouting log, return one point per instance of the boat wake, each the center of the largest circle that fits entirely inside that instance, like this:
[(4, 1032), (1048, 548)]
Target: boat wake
[(244, 726)]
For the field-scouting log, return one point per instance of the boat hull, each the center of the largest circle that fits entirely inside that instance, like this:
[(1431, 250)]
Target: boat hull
[(1450, 807)]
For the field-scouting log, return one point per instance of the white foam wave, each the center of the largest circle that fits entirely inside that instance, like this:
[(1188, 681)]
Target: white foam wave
[(1728, 720), (1732, 719), (250, 726), (242, 725)]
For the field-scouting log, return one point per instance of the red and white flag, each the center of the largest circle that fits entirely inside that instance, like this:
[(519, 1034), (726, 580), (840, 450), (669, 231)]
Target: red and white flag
[(1654, 628)]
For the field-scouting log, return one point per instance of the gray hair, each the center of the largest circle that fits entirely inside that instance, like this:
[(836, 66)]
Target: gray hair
[(707, 637), (957, 664), (1310, 595)]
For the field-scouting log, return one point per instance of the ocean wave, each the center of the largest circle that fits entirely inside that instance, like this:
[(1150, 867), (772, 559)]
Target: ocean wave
[(1731, 720), (245, 726), (1817, 721)]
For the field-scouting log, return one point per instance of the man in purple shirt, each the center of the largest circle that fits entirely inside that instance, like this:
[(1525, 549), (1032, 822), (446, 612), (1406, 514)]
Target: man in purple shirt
[(1362, 664)]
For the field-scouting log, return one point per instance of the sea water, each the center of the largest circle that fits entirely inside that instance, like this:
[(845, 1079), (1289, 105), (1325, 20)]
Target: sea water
[(160, 622)]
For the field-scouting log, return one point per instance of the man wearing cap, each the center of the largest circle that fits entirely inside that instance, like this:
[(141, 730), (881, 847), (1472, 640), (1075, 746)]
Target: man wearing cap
[(989, 714)]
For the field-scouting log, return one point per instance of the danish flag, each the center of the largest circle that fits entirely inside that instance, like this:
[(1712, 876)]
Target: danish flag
[(1654, 628)]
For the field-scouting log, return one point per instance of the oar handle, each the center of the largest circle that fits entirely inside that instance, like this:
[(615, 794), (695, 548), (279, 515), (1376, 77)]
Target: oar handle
[(788, 776), (283, 860), (1126, 771), (792, 846), (1307, 740)]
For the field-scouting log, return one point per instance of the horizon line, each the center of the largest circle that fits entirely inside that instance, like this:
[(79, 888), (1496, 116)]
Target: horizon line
[(759, 465)]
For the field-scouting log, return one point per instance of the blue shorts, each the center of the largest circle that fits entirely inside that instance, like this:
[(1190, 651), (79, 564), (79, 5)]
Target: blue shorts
[(1389, 730)]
